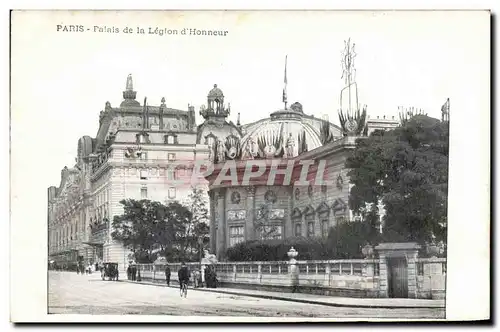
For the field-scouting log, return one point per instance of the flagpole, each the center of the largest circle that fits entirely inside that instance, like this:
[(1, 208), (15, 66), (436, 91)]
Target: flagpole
[(285, 97)]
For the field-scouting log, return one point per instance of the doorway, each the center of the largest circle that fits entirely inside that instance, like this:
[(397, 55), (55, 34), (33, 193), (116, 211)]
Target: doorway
[(398, 277)]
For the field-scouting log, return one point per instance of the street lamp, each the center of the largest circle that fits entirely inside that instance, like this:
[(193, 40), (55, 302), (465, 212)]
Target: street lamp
[(200, 247)]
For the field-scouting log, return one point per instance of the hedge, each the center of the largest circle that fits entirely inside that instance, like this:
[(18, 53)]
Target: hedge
[(276, 250), (343, 242)]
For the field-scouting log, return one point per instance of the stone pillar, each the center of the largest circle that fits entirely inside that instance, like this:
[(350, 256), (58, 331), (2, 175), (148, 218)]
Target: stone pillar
[(412, 274), (289, 227), (293, 270), (249, 224), (212, 226), (328, 273), (383, 278), (221, 221), (202, 271)]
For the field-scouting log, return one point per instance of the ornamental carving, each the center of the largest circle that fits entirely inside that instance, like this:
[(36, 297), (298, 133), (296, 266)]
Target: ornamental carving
[(270, 196), (250, 190), (236, 215), (133, 152), (323, 188), (310, 190), (235, 197), (276, 214), (297, 194), (270, 214), (340, 181)]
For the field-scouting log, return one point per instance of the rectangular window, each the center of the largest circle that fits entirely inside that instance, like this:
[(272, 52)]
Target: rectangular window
[(171, 193), (310, 229), (144, 193), (324, 228), (171, 156), (144, 174), (144, 155), (170, 139), (298, 229), (236, 235)]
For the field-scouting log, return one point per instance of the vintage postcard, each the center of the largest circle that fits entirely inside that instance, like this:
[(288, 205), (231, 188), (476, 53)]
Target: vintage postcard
[(249, 166)]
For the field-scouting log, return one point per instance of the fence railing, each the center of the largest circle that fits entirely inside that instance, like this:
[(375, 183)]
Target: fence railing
[(314, 270)]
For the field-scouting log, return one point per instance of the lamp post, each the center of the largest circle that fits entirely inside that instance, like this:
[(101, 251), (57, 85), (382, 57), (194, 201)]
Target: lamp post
[(200, 247)]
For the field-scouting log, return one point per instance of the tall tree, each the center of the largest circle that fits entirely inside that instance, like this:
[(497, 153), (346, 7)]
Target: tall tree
[(407, 170), (197, 226), (135, 228)]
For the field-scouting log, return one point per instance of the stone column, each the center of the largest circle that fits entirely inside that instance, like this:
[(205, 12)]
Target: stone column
[(289, 227), (212, 226), (249, 224), (293, 270), (411, 258), (383, 277), (221, 221), (202, 271)]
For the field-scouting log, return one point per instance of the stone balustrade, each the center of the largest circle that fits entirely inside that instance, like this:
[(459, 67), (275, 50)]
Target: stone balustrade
[(353, 278)]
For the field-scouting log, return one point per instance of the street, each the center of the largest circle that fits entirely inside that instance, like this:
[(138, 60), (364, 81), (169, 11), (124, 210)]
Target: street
[(70, 293)]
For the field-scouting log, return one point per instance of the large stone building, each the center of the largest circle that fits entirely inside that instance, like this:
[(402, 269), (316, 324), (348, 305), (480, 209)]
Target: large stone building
[(261, 187), (135, 146), (271, 206), (130, 157)]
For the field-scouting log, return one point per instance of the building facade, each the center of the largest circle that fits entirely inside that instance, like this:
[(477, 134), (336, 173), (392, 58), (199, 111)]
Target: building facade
[(137, 151), (131, 157)]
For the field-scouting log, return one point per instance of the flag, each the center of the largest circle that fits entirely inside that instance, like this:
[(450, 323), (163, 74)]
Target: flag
[(445, 110), (446, 106)]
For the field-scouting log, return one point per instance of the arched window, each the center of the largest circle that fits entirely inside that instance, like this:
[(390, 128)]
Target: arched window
[(323, 211), (297, 222), (339, 208), (309, 216)]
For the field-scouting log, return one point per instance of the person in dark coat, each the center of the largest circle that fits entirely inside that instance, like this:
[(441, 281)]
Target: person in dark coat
[(167, 274), (134, 272), (129, 272)]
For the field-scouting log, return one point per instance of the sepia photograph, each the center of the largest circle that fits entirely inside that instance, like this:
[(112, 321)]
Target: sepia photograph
[(246, 165)]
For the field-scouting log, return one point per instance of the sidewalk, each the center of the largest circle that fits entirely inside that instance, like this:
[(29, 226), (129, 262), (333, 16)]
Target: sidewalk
[(382, 303)]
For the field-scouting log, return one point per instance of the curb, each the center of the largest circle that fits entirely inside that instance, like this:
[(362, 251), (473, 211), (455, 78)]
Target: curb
[(282, 298)]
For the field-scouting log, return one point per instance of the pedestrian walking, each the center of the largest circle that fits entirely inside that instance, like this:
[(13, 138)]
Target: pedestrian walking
[(134, 272), (129, 273), (167, 274)]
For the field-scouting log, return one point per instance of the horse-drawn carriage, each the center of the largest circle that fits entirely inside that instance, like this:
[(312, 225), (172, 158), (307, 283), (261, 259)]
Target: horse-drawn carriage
[(110, 271)]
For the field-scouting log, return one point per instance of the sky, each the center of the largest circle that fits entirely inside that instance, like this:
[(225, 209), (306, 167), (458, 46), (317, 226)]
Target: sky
[(61, 80)]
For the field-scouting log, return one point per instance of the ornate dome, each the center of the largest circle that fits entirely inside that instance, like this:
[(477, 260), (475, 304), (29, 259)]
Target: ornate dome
[(215, 92), (288, 130)]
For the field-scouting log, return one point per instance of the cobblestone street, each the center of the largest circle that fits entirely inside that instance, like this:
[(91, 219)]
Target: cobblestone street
[(70, 293)]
